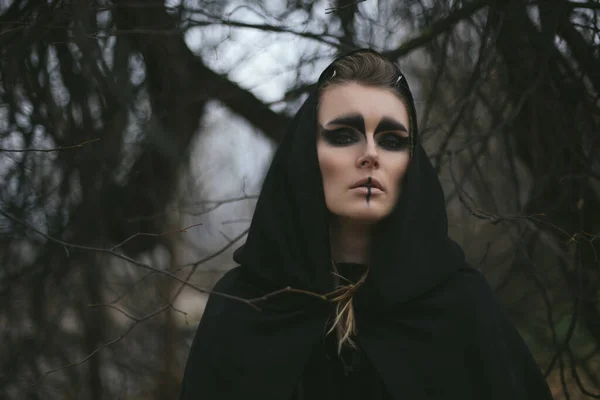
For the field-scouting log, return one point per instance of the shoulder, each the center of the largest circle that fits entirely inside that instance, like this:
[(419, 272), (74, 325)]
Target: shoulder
[(472, 297), (475, 288), (505, 361), (240, 295), (224, 312), (230, 292), (483, 311)]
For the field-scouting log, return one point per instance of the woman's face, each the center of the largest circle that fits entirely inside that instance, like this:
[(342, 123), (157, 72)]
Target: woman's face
[(362, 134)]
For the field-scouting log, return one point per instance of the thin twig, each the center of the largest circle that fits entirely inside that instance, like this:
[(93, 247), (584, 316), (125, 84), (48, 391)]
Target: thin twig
[(109, 343), (153, 235), (61, 148), (331, 10), (67, 245), (437, 28)]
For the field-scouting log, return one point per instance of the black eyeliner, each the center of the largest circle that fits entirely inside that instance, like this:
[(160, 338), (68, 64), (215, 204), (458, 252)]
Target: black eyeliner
[(345, 136), (333, 136), (399, 142)]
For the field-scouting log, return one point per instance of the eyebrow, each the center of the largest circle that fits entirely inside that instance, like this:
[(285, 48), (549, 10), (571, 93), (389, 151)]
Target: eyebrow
[(389, 124), (357, 121), (353, 120)]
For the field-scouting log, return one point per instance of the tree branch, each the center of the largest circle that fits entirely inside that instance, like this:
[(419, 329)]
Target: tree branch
[(61, 148), (198, 80), (437, 28)]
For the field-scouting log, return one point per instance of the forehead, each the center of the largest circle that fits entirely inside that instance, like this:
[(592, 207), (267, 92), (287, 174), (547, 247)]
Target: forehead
[(371, 102)]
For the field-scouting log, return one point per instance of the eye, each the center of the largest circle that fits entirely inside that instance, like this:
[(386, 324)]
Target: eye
[(391, 141), (340, 137)]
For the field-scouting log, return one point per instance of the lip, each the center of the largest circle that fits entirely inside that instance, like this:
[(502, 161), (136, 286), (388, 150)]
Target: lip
[(375, 184), (364, 190)]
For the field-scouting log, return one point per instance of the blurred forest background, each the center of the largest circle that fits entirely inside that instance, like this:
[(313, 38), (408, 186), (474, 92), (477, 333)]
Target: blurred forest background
[(134, 136)]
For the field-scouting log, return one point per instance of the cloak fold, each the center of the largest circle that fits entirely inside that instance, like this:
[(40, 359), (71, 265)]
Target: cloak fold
[(456, 342)]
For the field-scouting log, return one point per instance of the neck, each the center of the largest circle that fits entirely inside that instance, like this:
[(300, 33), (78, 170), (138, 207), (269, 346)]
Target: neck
[(349, 241)]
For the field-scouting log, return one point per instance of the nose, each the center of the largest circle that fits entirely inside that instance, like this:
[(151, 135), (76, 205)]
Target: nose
[(370, 157)]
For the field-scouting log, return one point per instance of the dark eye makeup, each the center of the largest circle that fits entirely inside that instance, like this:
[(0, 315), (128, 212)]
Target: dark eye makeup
[(340, 137), (346, 136), (391, 141)]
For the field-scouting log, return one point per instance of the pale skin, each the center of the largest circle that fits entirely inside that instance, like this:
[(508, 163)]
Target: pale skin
[(362, 133)]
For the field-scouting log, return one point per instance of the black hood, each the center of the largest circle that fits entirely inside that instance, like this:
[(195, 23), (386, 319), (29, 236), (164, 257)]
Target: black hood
[(288, 241)]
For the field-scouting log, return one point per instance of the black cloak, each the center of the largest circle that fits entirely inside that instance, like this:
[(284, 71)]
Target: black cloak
[(430, 325)]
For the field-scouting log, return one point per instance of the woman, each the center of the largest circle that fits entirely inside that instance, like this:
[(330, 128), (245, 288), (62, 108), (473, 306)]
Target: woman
[(352, 217)]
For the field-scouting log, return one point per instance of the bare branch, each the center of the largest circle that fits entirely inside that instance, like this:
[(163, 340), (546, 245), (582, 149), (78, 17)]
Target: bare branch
[(153, 235), (588, 5), (188, 207), (67, 245), (331, 10), (61, 148), (107, 344), (437, 28)]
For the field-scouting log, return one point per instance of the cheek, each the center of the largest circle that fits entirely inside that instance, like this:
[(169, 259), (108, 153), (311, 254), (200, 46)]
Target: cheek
[(400, 167), (397, 166), (334, 164)]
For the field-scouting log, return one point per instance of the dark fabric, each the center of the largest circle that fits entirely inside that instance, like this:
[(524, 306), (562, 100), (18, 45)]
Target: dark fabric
[(349, 377), (346, 376), (430, 326)]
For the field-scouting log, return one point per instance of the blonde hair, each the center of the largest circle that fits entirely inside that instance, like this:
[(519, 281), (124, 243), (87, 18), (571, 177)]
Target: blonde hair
[(344, 322)]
